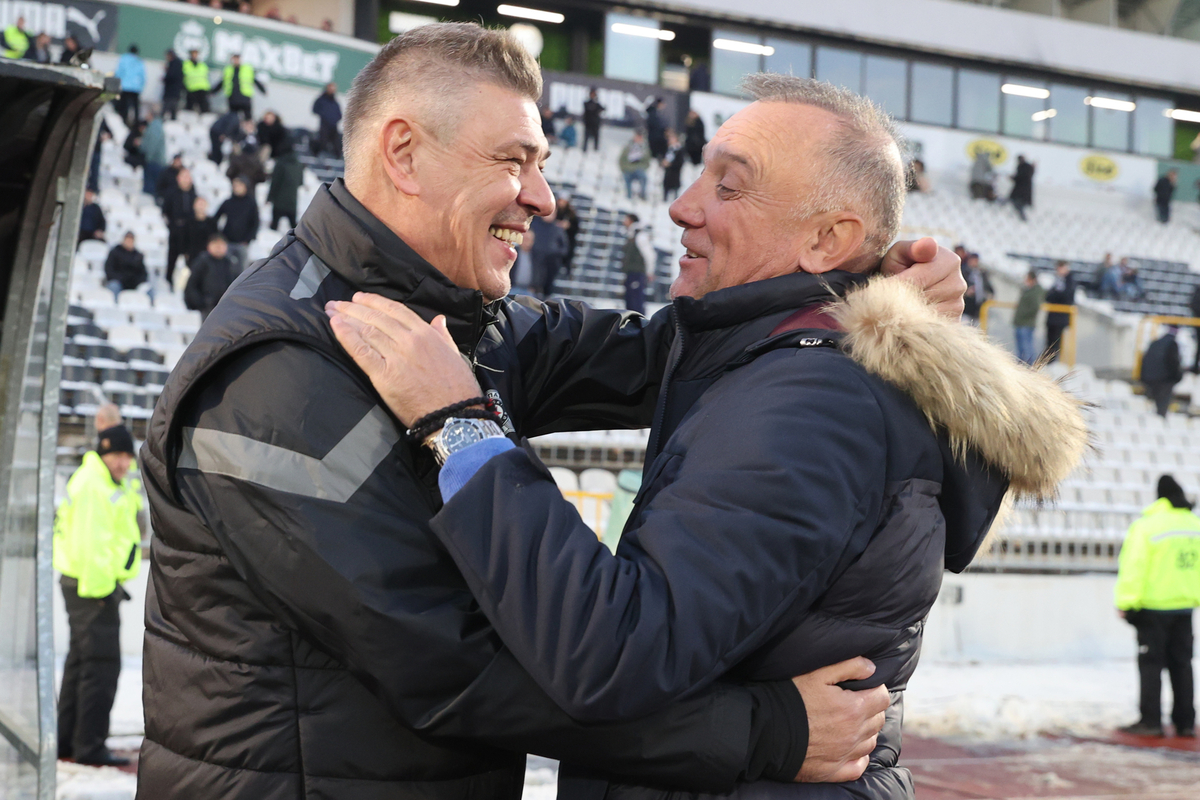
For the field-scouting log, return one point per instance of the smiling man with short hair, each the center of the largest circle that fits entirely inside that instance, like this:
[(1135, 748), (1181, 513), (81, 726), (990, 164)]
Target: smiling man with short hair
[(306, 635)]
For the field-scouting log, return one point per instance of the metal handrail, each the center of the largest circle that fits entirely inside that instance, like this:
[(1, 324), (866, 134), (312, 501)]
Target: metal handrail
[(1070, 336), (577, 497), (1155, 319)]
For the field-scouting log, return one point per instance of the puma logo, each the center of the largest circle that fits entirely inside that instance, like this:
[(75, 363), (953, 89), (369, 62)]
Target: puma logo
[(92, 26)]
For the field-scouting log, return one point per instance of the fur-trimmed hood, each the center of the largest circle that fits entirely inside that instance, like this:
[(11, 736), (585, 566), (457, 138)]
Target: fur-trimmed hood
[(1018, 419)]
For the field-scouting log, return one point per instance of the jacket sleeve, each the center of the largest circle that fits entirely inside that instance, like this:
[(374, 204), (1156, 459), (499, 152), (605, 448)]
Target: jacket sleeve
[(321, 511), (584, 368), (1131, 570), (751, 523)]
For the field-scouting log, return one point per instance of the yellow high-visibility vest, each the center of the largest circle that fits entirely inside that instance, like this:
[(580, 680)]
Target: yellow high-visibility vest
[(96, 536), (1159, 566)]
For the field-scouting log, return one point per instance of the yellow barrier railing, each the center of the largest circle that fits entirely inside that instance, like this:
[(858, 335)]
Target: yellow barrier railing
[(598, 501), (1143, 324), (1070, 338)]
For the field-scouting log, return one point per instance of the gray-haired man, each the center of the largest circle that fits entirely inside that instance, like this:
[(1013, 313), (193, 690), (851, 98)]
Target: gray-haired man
[(306, 635)]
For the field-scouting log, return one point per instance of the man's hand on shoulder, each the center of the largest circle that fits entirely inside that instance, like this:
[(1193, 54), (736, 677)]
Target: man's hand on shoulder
[(415, 366), (842, 724), (933, 268)]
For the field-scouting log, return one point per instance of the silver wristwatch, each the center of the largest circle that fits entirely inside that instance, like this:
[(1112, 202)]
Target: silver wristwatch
[(458, 434)]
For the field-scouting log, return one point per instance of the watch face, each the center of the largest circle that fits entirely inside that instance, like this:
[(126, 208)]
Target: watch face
[(459, 434)]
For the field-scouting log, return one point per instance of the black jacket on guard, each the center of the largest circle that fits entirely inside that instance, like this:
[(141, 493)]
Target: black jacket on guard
[(797, 509), (306, 635)]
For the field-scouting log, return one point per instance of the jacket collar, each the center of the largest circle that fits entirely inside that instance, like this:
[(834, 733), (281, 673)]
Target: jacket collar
[(356, 245), (737, 305)]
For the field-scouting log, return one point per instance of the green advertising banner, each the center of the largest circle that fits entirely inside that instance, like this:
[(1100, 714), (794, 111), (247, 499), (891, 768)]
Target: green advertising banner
[(297, 59)]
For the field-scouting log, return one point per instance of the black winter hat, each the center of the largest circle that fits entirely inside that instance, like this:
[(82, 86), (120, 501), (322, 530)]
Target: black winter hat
[(116, 439), (1171, 490)]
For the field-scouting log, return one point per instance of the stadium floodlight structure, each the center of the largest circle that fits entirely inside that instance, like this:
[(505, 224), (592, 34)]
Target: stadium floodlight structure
[(645, 31), (535, 14), (1036, 92), (45, 168), (1111, 103), (735, 46)]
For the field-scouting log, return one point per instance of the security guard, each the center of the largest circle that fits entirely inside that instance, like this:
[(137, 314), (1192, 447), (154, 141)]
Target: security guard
[(16, 41), (96, 548), (238, 86), (196, 83), (1158, 585)]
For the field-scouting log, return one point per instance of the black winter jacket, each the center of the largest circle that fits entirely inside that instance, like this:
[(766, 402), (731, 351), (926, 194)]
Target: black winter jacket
[(796, 511), (306, 636), (126, 266), (241, 218)]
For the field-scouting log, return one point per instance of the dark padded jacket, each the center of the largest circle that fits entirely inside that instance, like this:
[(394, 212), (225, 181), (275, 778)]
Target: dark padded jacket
[(306, 636), (797, 511)]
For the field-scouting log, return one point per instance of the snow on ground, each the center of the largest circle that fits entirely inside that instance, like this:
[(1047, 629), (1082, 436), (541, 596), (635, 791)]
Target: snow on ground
[(996, 701), (1014, 700)]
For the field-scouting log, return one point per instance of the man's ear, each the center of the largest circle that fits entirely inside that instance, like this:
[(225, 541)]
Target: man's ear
[(836, 241), (398, 140)]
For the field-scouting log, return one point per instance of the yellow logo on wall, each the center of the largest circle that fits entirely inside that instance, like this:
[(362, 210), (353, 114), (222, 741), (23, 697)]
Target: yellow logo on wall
[(1099, 168), (997, 153)]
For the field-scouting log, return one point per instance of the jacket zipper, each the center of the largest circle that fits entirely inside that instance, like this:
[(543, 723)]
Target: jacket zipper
[(661, 414)]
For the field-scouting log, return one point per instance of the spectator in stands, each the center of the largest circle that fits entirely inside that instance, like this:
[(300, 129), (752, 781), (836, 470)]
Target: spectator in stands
[(548, 129), (125, 267), (1164, 192), (196, 83), (286, 179), (672, 164), (637, 261), (244, 163), (1161, 370), (1022, 191), (635, 159), (226, 127), (1025, 316), (40, 51), (1061, 293), (177, 210), (172, 84), (213, 271), (1131, 284), (592, 110), (565, 214), (1158, 585), (238, 85), (656, 129), (330, 114), (199, 229), (132, 72), (549, 252), (274, 140), (167, 178), (15, 40), (694, 137), (154, 150), (522, 272), (1195, 306), (91, 218), (1108, 278), (979, 287), (97, 543), (916, 179), (240, 213), (568, 136), (70, 49), (982, 177)]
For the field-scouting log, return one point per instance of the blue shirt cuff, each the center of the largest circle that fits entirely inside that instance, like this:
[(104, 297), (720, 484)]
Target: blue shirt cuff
[(461, 466)]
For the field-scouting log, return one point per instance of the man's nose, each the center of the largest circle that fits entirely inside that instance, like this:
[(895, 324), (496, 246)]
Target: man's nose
[(536, 194), (685, 211)]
